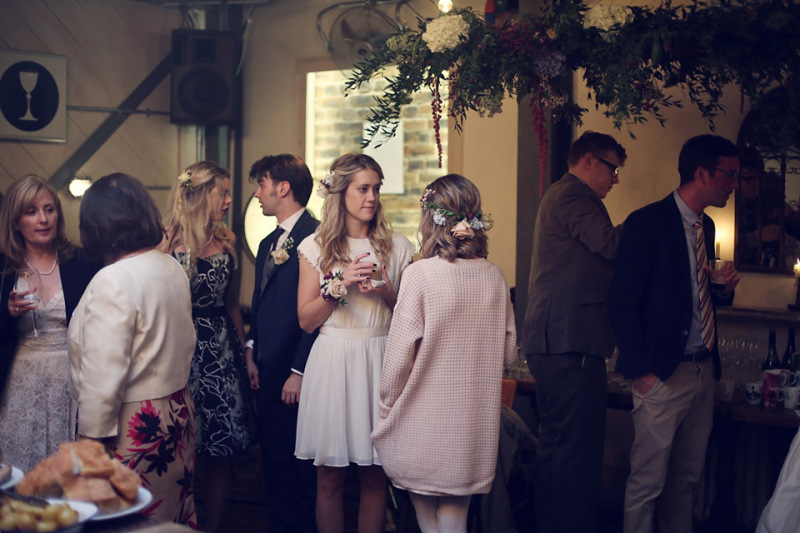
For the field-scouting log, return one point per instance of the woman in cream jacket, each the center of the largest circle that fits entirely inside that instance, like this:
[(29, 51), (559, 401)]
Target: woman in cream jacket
[(131, 342)]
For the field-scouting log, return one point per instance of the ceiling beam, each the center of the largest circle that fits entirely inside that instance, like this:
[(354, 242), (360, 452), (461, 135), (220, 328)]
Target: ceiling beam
[(93, 143)]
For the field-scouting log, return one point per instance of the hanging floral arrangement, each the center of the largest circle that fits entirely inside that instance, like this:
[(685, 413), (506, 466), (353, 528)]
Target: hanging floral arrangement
[(629, 58)]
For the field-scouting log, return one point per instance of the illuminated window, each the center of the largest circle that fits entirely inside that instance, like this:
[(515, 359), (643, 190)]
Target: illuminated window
[(335, 126)]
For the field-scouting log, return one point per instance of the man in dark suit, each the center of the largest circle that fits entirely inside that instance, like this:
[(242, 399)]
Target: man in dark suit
[(277, 356), (664, 320), (568, 335)]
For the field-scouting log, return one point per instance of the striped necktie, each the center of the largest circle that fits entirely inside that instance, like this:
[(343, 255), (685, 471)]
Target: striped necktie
[(704, 288)]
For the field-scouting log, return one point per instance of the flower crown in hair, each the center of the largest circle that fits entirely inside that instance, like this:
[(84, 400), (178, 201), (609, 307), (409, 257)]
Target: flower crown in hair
[(324, 188), (466, 223), (185, 179)]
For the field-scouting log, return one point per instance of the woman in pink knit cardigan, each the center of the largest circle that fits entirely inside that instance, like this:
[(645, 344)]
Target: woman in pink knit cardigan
[(451, 335)]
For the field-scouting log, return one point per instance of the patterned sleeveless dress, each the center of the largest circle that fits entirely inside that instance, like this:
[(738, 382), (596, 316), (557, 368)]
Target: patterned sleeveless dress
[(218, 378)]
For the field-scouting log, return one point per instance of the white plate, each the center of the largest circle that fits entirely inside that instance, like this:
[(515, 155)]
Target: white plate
[(86, 511), (16, 477), (142, 499)]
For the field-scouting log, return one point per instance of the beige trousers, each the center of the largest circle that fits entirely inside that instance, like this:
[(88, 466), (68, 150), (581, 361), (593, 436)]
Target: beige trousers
[(672, 423)]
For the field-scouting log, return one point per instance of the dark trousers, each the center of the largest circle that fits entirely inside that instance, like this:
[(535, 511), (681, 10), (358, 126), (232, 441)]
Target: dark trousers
[(571, 396), (291, 483)]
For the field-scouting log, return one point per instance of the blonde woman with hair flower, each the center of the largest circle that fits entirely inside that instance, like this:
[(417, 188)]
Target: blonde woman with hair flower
[(349, 269), (197, 237), (451, 336)]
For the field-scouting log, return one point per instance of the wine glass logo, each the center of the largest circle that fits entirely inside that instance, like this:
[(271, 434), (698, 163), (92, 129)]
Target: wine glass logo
[(28, 81), (30, 97)]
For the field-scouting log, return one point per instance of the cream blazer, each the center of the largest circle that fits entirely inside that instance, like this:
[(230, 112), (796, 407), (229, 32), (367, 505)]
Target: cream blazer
[(131, 339)]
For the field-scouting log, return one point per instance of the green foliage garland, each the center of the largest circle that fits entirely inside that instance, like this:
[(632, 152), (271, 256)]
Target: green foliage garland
[(629, 57)]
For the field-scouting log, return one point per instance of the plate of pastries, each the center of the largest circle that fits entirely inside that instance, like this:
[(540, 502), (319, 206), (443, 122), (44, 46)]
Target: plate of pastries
[(82, 472)]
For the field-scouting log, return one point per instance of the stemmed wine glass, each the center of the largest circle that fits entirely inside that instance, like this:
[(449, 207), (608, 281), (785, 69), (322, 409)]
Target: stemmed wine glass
[(28, 281), (28, 81)]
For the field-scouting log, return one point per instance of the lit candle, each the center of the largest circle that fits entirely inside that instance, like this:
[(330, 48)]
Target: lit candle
[(797, 270), (716, 249)]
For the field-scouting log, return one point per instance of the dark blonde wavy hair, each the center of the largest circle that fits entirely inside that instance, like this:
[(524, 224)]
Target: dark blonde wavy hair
[(457, 194), (19, 197), (189, 221), (331, 235)]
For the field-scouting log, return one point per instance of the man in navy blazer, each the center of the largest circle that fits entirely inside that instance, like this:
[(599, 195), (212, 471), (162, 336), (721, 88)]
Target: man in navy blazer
[(277, 347), (656, 310)]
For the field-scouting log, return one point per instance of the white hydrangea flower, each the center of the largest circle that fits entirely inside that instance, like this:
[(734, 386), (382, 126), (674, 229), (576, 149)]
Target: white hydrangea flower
[(445, 32), (490, 104), (604, 17), (476, 223), (439, 218), (399, 44)]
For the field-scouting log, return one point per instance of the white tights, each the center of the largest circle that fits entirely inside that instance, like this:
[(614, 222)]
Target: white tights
[(441, 514)]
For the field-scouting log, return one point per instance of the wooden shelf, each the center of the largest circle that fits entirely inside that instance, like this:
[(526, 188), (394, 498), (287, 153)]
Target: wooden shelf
[(766, 315)]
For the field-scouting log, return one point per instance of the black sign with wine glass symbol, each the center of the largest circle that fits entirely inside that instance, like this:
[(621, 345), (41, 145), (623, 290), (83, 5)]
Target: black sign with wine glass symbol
[(28, 96)]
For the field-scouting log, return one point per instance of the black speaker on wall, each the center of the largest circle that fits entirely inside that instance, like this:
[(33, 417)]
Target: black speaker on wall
[(203, 88)]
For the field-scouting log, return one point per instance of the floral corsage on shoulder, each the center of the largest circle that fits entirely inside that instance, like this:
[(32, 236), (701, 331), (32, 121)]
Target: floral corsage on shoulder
[(281, 255), (333, 288)]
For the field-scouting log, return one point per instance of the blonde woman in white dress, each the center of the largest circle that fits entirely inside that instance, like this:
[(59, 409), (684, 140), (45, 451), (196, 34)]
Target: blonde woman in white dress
[(339, 398)]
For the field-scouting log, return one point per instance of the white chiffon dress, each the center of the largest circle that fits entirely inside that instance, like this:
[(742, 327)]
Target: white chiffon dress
[(339, 400)]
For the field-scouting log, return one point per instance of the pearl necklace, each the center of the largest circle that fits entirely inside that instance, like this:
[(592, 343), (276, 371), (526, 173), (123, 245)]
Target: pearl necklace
[(52, 269)]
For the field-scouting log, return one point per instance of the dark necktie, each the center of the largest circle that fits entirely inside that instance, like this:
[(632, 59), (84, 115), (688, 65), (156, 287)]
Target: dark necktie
[(270, 261)]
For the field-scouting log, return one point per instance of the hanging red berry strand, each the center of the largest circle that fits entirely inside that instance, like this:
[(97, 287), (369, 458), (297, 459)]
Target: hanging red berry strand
[(436, 108), (537, 109)]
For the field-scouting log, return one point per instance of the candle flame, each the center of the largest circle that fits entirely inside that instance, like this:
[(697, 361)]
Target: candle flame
[(445, 5)]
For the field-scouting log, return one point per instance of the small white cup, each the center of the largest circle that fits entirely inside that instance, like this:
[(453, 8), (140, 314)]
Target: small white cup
[(791, 397), (753, 392), (376, 278)]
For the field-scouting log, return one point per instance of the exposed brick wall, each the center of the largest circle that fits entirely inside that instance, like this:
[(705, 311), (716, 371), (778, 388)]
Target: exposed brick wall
[(338, 131)]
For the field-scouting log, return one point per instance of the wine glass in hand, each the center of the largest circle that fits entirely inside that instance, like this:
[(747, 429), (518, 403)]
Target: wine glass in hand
[(29, 285)]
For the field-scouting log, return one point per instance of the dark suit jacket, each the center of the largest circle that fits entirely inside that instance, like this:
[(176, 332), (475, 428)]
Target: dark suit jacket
[(76, 272), (651, 293), (574, 247), (280, 343)]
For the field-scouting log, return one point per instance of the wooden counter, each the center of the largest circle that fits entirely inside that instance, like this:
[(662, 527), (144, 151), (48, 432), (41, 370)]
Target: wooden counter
[(619, 397), (731, 419)]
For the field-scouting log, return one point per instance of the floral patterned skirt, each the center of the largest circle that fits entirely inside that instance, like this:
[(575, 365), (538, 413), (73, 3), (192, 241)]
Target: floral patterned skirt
[(157, 441)]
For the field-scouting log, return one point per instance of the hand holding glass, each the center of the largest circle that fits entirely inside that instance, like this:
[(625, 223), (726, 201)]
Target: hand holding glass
[(376, 276), (718, 269), (29, 287)]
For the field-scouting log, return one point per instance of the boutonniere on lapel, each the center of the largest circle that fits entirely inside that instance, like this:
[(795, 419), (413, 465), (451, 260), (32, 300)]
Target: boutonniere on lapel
[(281, 255)]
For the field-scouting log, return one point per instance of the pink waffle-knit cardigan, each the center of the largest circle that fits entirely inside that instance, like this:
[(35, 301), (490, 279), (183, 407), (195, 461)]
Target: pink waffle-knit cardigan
[(451, 335)]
